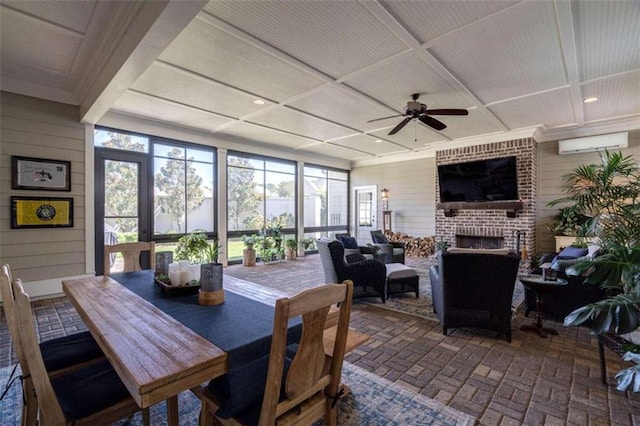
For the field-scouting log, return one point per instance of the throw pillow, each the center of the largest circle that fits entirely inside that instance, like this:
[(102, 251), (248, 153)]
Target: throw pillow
[(593, 251), (572, 253), (349, 242), (379, 239)]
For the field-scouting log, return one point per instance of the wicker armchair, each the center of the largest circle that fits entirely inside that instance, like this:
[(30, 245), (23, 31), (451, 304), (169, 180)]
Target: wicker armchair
[(393, 251), (368, 276), (474, 290)]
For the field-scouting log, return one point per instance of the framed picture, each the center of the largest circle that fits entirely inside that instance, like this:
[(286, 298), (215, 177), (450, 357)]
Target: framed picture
[(41, 212), (40, 174)]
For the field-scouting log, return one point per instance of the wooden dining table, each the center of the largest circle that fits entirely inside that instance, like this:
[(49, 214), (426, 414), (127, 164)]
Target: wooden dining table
[(156, 352), (156, 356)]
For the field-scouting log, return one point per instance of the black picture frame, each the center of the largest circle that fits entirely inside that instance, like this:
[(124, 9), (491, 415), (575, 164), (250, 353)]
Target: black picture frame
[(40, 174), (41, 212)]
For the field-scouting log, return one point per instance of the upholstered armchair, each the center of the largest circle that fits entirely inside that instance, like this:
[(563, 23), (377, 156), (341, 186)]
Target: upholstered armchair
[(368, 276), (474, 290), (351, 247), (394, 252)]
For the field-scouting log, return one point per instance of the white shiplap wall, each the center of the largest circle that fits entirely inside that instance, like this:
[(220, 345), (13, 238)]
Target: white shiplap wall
[(32, 127), (411, 186), (551, 168)]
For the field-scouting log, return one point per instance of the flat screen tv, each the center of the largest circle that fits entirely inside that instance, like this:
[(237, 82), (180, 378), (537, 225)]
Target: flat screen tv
[(494, 179)]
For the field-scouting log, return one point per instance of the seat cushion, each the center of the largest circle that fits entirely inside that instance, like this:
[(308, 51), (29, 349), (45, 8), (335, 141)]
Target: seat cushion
[(379, 239), (397, 251), (88, 390), (348, 242), (572, 253), (69, 350), (398, 270)]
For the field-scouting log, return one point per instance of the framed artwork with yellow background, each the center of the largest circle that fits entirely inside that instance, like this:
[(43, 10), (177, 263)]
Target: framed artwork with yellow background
[(41, 212)]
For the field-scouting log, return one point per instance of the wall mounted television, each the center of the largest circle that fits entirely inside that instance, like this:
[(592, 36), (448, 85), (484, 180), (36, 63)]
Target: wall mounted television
[(494, 179)]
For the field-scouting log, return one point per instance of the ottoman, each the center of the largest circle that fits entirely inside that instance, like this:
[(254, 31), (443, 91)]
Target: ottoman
[(401, 279)]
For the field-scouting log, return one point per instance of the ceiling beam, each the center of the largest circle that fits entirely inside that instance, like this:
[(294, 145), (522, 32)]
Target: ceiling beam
[(155, 25)]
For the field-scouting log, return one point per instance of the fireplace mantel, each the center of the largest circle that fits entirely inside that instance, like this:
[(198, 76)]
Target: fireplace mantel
[(511, 207)]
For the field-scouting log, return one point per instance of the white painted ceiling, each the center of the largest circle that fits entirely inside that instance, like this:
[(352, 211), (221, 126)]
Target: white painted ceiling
[(325, 68)]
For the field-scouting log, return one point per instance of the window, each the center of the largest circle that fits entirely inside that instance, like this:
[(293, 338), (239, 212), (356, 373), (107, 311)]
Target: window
[(326, 201), (261, 193), (183, 189), (106, 138)]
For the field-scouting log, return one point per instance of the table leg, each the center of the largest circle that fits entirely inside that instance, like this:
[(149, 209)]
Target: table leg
[(172, 411), (537, 325)]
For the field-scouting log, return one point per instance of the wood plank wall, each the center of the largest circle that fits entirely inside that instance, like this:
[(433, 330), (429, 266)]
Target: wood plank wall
[(33, 127), (411, 186)]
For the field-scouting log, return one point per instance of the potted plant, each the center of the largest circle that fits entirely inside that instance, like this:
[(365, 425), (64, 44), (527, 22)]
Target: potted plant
[(291, 248), (308, 243), (249, 241), (609, 194), (442, 246)]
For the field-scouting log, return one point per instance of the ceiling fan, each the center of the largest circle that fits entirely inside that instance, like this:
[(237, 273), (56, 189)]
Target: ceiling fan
[(415, 109)]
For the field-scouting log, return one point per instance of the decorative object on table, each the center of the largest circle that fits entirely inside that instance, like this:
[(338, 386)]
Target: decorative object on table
[(40, 174), (163, 259), (41, 212), (548, 273), (211, 291), (291, 248), (609, 194)]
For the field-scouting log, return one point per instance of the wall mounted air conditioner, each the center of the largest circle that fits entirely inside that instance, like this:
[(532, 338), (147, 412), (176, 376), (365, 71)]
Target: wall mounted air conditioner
[(612, 141)]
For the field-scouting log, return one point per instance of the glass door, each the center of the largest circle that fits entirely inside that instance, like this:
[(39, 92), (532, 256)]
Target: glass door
[(365, 212), (121, 197)]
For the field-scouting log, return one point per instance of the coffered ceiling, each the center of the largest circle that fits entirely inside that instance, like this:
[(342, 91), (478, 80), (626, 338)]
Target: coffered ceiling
[(321, 70)]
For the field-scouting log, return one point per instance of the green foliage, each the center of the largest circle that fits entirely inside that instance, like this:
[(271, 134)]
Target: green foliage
[(291, 243), (243, 196), (195, 248), (308, 243), (442, 245), (249, 239), (570, 221), (609, 193)]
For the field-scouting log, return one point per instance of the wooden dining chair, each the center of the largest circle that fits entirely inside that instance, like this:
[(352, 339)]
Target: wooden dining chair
[(91, 395), (60, 355), (130, 254), (310, 386)]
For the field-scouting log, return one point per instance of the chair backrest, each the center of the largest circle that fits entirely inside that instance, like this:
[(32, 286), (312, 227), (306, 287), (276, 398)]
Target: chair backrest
[(8, 303), (330, 275), (47, 401), (378, 237), (130, 254), (308, 375)]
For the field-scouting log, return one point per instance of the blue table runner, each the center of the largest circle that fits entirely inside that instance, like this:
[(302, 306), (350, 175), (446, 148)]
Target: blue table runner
[(240, 326)]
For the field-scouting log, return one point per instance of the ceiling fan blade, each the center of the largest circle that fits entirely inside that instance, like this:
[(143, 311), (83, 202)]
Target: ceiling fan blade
[(400, 126), (432, 122), (447, 111), (384, 118)]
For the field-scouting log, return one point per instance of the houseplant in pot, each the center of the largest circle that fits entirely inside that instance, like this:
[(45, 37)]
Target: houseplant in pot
[(211, 292), (291, 250), (609, 194)]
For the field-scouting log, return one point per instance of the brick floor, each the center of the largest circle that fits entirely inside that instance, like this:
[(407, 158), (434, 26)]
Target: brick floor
[(531, 381)]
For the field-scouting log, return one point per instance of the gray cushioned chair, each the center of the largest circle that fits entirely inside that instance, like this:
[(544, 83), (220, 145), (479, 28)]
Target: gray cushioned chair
[(394, 252), (474, 290)]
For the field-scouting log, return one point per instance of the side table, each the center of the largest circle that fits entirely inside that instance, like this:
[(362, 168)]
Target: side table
[(540, 286)]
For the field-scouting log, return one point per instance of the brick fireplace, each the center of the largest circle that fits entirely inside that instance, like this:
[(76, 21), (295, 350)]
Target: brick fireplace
[(492, 225)]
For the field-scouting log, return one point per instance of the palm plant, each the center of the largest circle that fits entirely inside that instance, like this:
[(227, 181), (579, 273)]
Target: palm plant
[(609, 194)]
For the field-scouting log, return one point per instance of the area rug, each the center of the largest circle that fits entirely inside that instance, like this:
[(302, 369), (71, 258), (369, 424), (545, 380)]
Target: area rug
[(372, 400)]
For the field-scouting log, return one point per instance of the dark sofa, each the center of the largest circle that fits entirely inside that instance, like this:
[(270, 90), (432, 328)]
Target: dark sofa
[(570, 297)]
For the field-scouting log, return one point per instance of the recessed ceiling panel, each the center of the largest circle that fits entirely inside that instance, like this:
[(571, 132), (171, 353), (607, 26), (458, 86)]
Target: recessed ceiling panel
[(607, 37), (28, 41), (394, 82), (512, 54), (157, 109), (341, 106), (72, 14), (165, 81), (617, 96), (262, 134), (369, 145), (335, 37), (333, 150), (476, 123), (210, 52), (429, 19), (551, 109), (299, 123)]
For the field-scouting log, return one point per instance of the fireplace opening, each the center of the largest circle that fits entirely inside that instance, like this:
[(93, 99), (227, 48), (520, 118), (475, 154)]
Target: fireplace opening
[(479, 242)]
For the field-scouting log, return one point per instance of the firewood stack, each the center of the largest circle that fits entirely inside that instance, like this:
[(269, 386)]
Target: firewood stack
[(414, 247)]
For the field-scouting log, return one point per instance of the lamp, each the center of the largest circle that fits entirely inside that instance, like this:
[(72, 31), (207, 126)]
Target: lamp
[(384, 194)]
